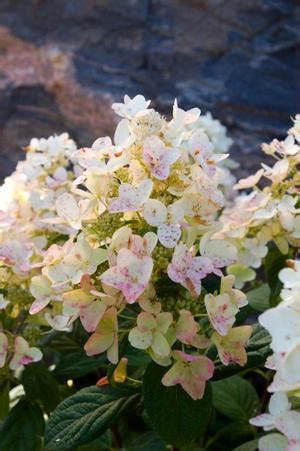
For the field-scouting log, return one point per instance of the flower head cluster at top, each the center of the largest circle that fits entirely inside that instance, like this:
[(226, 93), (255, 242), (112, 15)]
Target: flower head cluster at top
[(120, 237), (271, 214)]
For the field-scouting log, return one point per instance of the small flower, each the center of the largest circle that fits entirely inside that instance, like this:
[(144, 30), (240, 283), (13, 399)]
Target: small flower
[(187, 329), (201, 149), (283, 419), (185, 117), (131, 107), (105, 337), (40, 288), (131, 274), (3, 349), (131, 198), (187, 269), (231, 347), (166, 219), (70, 262), (222, 309), (91, 307), (250, 181), (159, 157), (150, 332), (191, 372), (219, 253), (24, 354)]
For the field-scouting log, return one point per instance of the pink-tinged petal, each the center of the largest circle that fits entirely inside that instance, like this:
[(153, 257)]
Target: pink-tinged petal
[(194, 388), (131, 197), (3, 349), (175, 374), (104, 336), (139, 339), (221, 312), (113, 277), (202, 368), (168, 235), (38, 305), (131, 275), (161, 172), (77, 299), (158, 157), (113, 351), (92, 314), (186, 327), (231, 347), (98, 343), (21, 345), (191, 372), (24, 354), (86, 283)]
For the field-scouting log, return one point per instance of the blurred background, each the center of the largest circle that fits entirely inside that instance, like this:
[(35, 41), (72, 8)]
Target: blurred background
[(62, 64)]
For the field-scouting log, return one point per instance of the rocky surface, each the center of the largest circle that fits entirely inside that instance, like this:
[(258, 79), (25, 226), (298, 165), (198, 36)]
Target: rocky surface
[(62, 63)]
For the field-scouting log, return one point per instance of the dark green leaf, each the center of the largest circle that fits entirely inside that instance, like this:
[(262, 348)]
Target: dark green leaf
[(4, 399), (77, 364), (259, 298), (101, 443), (40, 385), (235, 398), (249, 446), (174, 415), (23, 428), (86, 415), (148, 441), (273, 263)]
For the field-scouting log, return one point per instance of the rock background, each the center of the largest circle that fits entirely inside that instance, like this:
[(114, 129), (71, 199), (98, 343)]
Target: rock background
[(62, 63)]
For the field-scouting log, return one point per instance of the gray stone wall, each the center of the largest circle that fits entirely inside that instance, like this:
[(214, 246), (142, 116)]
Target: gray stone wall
[(63, 62)]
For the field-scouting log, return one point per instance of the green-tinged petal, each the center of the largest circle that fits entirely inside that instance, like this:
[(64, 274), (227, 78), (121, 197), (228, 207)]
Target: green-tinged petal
[(139, 339), (160, 345), (164, 320), (146, 322)]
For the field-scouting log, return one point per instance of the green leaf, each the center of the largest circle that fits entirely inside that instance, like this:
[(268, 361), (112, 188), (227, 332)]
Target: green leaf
[(23, 428), (174, 415), (4, 399), (101, 443), (235, 398), (77, 364), (259, 298), (249, 446), (273, 263), (148, 441), (86, 415), (40, 385)]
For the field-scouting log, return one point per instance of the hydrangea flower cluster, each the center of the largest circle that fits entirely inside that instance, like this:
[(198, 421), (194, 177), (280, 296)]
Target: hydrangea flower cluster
[(283, 324), (268, 214), (29, 222), (107, 234)]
